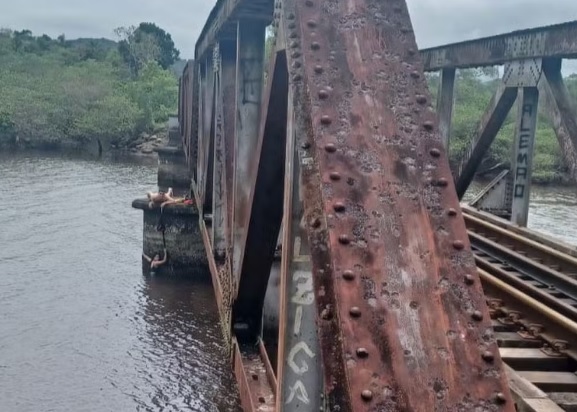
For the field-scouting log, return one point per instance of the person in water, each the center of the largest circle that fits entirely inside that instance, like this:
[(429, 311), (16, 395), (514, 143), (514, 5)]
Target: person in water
[(155, 262)]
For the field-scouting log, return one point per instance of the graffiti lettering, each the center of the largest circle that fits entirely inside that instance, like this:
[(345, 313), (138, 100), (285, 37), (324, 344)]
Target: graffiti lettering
[(304, 294), (298, 390), (301, 346), (523, 146)]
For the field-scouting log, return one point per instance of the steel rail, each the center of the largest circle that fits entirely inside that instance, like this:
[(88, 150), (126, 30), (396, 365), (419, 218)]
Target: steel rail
[(539, 281), (550, 314), (530, 245)]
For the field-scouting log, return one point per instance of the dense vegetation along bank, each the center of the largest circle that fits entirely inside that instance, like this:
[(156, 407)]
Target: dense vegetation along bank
[(58, 92)]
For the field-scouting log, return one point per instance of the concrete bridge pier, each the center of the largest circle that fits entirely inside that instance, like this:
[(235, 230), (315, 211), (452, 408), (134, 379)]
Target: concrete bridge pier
[(176, 227), (186, 254), (172, 168)]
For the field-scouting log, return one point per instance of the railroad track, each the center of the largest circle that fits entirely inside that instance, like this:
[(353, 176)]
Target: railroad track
[(531, 287)]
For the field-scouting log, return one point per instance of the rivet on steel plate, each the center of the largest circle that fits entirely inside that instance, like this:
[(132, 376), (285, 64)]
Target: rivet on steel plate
[(477, 315), (305, 145), (415, 75), (488, 356), (348, 275), (469, 279), (326, 314), (335, 176), (293, 35), (297, 77), (326, 119), (295, 54), (312, 23), (330, 147), (309, 3), (500, 398), (428, 125), (355, 312), (367, 395), (421, 99), (339, 207), (435, 152), (323, 94), (458, 244), (294, 44), (318, 69), (291, 16), (315, 46), (451, 212), (362, 353), (292, 25), (296, 64), (442, 182), (344, 240)]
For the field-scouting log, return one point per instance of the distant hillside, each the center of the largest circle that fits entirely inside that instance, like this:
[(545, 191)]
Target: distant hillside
[(105, 44)]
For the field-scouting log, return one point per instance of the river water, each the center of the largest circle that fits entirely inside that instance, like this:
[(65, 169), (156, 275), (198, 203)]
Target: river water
[(81, 329)]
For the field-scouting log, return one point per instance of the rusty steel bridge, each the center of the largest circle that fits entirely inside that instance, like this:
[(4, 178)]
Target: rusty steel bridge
[(348, 276)]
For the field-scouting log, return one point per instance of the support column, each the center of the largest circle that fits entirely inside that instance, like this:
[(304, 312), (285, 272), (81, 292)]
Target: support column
[(249, 82), (445, 104), (299, 382), (522, 164), (562, 112), (218, 162)]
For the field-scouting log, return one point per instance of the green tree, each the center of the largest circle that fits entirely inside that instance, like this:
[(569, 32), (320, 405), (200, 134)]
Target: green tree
[(147, 42), (168, 53)]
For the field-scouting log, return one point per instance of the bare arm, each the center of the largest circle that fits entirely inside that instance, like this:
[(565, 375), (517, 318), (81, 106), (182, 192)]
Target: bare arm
[(163, 261), (147, 258)]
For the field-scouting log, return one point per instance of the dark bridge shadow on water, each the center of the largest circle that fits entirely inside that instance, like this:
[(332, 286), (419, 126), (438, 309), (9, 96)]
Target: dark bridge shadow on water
[(187, 366)]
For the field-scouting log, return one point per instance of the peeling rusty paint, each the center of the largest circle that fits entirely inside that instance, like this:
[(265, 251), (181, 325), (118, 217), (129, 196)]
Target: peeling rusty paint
[(387, 256)]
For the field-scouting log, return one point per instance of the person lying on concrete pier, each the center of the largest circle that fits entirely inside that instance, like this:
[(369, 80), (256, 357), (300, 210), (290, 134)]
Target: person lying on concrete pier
[(159, 197), (155, 262)]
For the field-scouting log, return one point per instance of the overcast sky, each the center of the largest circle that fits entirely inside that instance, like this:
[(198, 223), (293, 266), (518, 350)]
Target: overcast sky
[(436, 22)]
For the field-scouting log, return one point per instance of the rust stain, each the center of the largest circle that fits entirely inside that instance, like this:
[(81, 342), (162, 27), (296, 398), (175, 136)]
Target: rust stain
[(388, 255)]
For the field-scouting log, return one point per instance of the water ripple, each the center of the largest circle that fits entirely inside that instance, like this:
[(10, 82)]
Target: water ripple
[(82, 330)]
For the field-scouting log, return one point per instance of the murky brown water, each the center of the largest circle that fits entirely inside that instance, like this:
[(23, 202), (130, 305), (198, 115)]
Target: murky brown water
[(552, 210), (82, 330)]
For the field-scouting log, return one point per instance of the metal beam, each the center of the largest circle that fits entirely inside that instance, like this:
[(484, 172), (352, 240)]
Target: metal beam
[(249, 84), (522, 166), (389, 250), (265, 175), (222, 21), (208, 180), (562, 112), (300, 382), (192, 109), (445, 100), (491, 122), (219, 204), (558, 41), (228, 53)]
